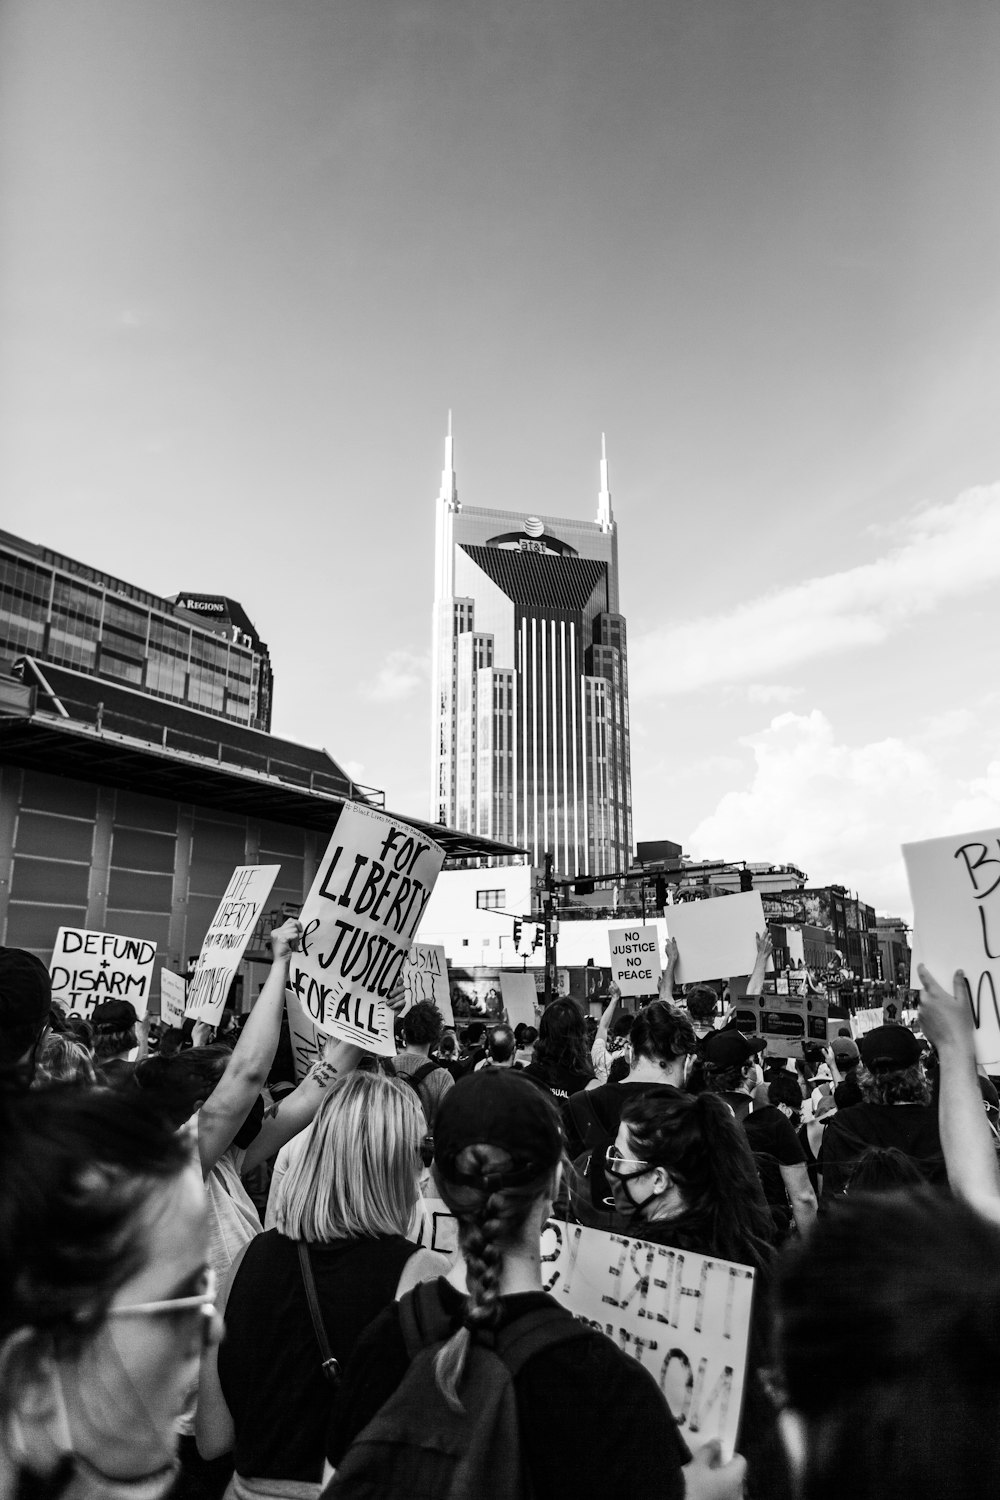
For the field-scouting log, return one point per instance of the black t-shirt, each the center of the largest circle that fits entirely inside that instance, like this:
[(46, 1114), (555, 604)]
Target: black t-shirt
[(848, 1091), (592, 1421), (592, 1116), (560, 1081), (912, 1128), (270, 1360), (774, 1145)]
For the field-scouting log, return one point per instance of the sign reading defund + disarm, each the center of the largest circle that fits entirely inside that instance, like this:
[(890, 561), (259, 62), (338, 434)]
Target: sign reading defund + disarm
[(359, 919), (88, 968), (635, 959), (226, 940)]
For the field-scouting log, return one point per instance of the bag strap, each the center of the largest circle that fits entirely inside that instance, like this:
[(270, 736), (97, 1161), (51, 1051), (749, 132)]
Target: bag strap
[(584, 1115), (540, 1330), (422, 1318), (424, 1071), (330, 1365)]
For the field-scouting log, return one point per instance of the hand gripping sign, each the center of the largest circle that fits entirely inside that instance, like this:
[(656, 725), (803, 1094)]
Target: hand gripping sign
[(635, 959), (226, 940), (358, 923)]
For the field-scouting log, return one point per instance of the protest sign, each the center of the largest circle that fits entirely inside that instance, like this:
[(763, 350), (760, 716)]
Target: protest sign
[(437, 1227), (955, 885), (788, 1020), (717, 937), (226, 940), (425, 977), (173, 989), (635, 959), (88, 968), (307, 1043), (365, 905), (685, 1317), (520, 998)]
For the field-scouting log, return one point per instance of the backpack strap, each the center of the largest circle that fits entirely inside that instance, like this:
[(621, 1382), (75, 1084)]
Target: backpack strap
[(330, 1365), (584, 1116), (528, 1336), (422, 1318), (424, 1071)]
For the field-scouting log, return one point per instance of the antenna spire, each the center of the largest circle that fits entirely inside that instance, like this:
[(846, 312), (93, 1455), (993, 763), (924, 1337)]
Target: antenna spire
[(449, 483), (605, 518)]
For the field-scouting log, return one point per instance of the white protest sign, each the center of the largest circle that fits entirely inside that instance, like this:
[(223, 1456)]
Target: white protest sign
[(685, 1316), (366, 902), (88, 968), (173, 990), (955, 885), (425, 977), (715, 937), (306, 1041), (635, 959), (226, 940), (520, 998)]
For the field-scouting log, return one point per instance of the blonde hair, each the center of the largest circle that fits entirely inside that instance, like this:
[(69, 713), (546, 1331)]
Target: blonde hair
[(63, 1059), (358, 1174)]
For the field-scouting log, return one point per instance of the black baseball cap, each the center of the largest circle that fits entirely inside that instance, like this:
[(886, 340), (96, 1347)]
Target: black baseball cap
[(730, 1048), (25, 1000), (114, 1015), (502, 1110), (889, 1048)]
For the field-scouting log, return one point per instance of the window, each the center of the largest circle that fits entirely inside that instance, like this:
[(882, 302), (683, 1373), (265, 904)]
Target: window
[(490, 900)]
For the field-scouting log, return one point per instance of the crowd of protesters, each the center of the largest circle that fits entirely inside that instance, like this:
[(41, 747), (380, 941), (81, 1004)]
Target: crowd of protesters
[(210, 1281)]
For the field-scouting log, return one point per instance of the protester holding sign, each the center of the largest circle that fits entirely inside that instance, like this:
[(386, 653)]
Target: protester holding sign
[(497, 1152), (302, 1293)]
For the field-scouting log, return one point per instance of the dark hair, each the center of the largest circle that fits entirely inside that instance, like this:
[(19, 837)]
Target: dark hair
[(889, 1320), (894, 1085), (81, 1029), (618, 1070), (447, 1046), (500, 1044), (724, 1080), (77, 1167), (176, 1083), (423, 1024), (621, 1027), (697, 1139), (784, 1089), (881, 1169), (473, 1034), (561, 1038), (662, 1033), (110, 1041), (701, 1001)]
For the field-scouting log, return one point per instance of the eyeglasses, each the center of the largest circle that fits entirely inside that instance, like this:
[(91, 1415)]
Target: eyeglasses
[(201, 1302), (613, 1159)]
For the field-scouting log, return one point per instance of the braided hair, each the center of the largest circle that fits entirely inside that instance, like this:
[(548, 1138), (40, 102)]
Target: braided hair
[(490, 1212)]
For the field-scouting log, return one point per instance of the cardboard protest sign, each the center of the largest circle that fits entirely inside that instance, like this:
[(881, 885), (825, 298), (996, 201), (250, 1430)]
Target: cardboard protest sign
[(788, 1020), (359, 919), (955, 885), (88, 968), (635, 959), (717, 937), (520, 998), (686, 1317), (425, 977), (307, 1043), (437, 1227), (173, 991), (226, 940)]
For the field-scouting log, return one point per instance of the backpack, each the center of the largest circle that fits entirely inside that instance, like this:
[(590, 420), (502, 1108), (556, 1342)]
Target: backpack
[(415, 1080), (416, 1447)]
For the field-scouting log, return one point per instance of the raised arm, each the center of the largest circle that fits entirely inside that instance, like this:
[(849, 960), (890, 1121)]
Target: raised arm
[(603, 1025), (966, 1138), (231, 1100), (765, 947), (670, 956)]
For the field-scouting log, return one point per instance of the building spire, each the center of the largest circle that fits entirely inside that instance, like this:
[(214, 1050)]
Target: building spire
[(605, 518), (449, 483)]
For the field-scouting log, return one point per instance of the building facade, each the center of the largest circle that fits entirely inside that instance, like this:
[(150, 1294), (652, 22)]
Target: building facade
[(206, 655), (530, 681)]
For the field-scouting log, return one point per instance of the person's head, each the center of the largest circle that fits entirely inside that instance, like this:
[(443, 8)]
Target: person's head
[(498, 1144), (888, 1325), (663, 1036), (105, 1296), (683, 1156), (728, 1058), (177, 1084), (500, 1046), (25, 1001), (562, 1037), (359, 1174), (620, 1031), (62, 1059), (702, 1003), (845, 1053), (81, 1029), (784, 1092), (114, 1024), (890, 1070), (884, 1169), (422, 1024), (447, 1047), (474, 1034)]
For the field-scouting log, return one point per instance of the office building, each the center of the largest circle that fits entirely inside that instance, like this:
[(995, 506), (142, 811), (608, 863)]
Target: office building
[(200, 650), (530, 681)]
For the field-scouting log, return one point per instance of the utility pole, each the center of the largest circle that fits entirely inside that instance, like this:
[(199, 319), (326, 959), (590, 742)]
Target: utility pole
[(551, 929)]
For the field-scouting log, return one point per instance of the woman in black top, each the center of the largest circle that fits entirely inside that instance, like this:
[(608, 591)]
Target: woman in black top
[(562, 1060), (350, 1200)]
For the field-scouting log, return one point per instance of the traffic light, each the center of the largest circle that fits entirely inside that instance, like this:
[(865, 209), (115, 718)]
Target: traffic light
[(517, 932), (746, 880), (661, 892)]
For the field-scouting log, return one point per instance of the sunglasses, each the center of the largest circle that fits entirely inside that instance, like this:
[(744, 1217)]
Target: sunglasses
[(613, 1159), (202, 1302)]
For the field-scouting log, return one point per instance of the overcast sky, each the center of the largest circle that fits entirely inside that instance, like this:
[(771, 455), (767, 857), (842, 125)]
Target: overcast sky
[(251, 251)]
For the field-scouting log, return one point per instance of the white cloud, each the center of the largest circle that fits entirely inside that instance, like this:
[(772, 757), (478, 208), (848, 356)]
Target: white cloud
[(841, 812), (401, 674), (946, 552), (771, 692)]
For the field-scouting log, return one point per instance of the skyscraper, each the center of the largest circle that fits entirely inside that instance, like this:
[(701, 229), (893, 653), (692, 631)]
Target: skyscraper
[(530, 683)]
